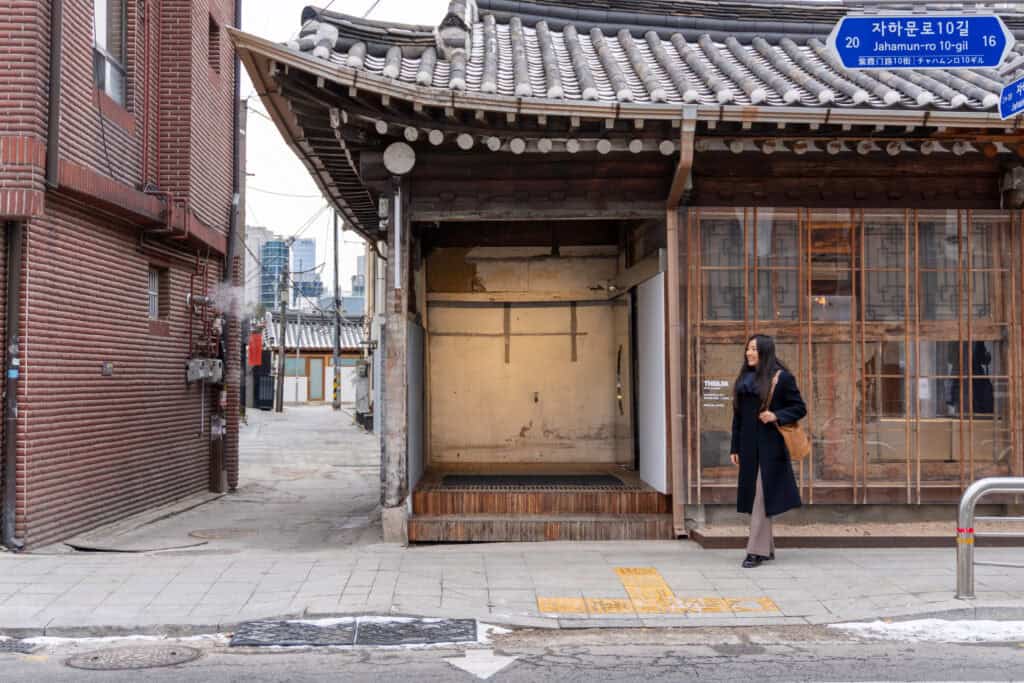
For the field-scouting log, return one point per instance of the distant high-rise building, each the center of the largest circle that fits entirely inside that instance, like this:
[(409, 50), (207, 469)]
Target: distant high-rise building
[(255, 237), (307, 284), (274, 257), (359, 279)]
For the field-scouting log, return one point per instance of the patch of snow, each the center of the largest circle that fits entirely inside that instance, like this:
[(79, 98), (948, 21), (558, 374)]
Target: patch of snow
[(938, 630), (53, 641), (485, 632), (323, 622)]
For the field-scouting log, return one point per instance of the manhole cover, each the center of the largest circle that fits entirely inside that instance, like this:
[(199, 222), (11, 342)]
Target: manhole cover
[(218, 534), (124, 658), (16, 646)]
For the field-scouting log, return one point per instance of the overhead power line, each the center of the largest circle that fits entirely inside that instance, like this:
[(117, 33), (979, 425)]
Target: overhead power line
[(283, 194)]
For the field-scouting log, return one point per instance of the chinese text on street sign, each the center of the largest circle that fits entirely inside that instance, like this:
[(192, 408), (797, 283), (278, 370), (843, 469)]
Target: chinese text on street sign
[(921, 41), (1011, 102)]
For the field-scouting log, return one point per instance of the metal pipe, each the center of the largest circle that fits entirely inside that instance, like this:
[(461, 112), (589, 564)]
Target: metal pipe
[(15, 247), (965, 528), (53, 125), (282, 294)]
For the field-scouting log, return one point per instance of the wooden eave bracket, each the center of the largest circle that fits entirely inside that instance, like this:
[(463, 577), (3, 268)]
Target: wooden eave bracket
[(684, 167)]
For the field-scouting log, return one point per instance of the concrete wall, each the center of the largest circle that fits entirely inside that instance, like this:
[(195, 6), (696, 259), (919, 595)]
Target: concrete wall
[(538, 404)]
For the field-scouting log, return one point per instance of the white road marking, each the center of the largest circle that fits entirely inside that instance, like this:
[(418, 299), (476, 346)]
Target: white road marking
[(481, 663)]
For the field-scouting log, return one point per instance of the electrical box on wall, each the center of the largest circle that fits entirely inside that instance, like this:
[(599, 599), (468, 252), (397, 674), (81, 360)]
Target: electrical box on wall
[(204, 369)]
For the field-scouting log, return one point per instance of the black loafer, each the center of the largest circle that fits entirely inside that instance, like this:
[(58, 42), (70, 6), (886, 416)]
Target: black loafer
[(751, 561), (771, 556)]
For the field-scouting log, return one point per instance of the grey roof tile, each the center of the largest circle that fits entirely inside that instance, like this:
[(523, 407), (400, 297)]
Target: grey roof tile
[(746, 56), (314, 333)]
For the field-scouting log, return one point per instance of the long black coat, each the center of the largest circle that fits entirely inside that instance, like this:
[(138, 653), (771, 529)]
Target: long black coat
[(761, 445)]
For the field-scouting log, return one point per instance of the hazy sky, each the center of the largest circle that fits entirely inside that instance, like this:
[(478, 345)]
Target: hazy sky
[(270, 162)]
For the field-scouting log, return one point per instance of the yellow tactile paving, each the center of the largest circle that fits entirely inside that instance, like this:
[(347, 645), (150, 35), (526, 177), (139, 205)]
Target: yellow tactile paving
[(650, 594)]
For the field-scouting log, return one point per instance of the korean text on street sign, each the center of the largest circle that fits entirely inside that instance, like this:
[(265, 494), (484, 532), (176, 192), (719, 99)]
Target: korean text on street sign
[(921, 41), (1011, 101)]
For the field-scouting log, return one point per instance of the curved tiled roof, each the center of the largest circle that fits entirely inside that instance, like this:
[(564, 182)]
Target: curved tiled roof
[(316, 332), (608, 56)]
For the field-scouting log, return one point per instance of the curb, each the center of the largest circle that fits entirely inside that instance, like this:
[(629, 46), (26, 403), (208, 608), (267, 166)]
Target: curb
[(986, 612), (713, 542)]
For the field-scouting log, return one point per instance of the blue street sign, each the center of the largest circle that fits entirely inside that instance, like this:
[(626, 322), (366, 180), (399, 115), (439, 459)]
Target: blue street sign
[(1011, 101), (921, 41)]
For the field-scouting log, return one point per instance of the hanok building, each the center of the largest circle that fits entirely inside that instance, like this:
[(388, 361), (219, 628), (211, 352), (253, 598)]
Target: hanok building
[(309, 356), (586, 212)]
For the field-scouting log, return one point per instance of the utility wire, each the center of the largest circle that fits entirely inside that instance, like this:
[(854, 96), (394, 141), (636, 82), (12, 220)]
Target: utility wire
[(283, 194)]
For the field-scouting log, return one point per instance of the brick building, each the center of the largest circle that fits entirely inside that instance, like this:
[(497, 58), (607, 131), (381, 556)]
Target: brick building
[(117, 174)]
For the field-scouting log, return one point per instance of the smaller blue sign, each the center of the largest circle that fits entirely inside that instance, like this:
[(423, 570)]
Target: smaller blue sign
[(921, 41), (1011, 101)]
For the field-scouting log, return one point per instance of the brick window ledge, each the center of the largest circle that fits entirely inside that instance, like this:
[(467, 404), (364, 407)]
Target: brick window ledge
[(114, 112), (160, 328)]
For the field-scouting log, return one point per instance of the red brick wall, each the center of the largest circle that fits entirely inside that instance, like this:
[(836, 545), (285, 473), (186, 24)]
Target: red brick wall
[(24, 59), (95, 131), (212, 100), (93, 449), (99, 448), (23, 111)]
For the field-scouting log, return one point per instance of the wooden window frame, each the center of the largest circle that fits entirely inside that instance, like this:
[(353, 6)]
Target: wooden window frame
[(1001, 263), (104, 58)]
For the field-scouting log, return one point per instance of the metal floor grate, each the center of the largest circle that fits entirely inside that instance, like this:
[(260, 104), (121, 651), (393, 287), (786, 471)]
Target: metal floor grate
[(531, 481)]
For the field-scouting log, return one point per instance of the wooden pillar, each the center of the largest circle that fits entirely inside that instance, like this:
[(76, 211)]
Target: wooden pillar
[(394, 450), (674, 232)]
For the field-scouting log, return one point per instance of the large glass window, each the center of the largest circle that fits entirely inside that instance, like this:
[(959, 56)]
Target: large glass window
[(109, 47), (904, 331)]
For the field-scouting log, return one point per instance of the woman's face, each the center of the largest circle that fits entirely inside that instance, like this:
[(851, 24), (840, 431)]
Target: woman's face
[(751, 353)]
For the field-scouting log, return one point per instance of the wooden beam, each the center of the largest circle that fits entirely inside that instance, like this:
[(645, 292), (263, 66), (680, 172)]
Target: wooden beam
[(641, 272), (567, 296), (677, 455), (678, 486), (425, 209), (394, 452), (685, 164)]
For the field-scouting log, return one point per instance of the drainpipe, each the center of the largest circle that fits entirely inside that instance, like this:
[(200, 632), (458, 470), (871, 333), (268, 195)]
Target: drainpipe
[(15, 236), (53, 126), (232, 315)]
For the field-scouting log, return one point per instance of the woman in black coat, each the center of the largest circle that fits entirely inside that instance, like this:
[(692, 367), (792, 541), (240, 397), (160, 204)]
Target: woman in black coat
[(766, 486)]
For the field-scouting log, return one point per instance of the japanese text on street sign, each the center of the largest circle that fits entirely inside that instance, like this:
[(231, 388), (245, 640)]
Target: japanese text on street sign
[(920, 41), (1011, 101)]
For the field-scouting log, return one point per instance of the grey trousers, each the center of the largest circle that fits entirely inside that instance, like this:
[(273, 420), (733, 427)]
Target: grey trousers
[(761, 541)]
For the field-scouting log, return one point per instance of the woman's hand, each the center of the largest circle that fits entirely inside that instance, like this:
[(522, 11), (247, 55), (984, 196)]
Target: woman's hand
[(767, 417), (735, 459)]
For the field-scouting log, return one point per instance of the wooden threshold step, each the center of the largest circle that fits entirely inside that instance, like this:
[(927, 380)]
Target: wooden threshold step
[(491, 528), (631, 501)]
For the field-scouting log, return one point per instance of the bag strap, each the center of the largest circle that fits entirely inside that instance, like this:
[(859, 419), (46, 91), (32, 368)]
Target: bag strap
[(771, 392)]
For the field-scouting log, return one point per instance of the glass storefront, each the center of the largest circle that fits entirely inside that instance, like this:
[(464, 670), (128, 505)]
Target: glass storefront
[(902, 327)]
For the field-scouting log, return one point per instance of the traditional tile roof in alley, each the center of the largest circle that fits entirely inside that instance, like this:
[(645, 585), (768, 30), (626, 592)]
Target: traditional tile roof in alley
[(700, 53)]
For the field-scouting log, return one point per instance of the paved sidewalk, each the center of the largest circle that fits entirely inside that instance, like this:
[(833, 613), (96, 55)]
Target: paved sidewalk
[(548, 584), (302, 539)]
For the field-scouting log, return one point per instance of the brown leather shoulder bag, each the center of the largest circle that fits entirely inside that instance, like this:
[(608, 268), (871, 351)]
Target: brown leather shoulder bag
[(798, 444)]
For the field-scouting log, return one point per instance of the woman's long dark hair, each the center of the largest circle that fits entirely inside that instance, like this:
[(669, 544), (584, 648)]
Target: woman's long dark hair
[(767, 365)]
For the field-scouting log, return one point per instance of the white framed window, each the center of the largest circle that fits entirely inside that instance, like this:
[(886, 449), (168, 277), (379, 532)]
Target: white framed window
[(154, 293), (110, 19)]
